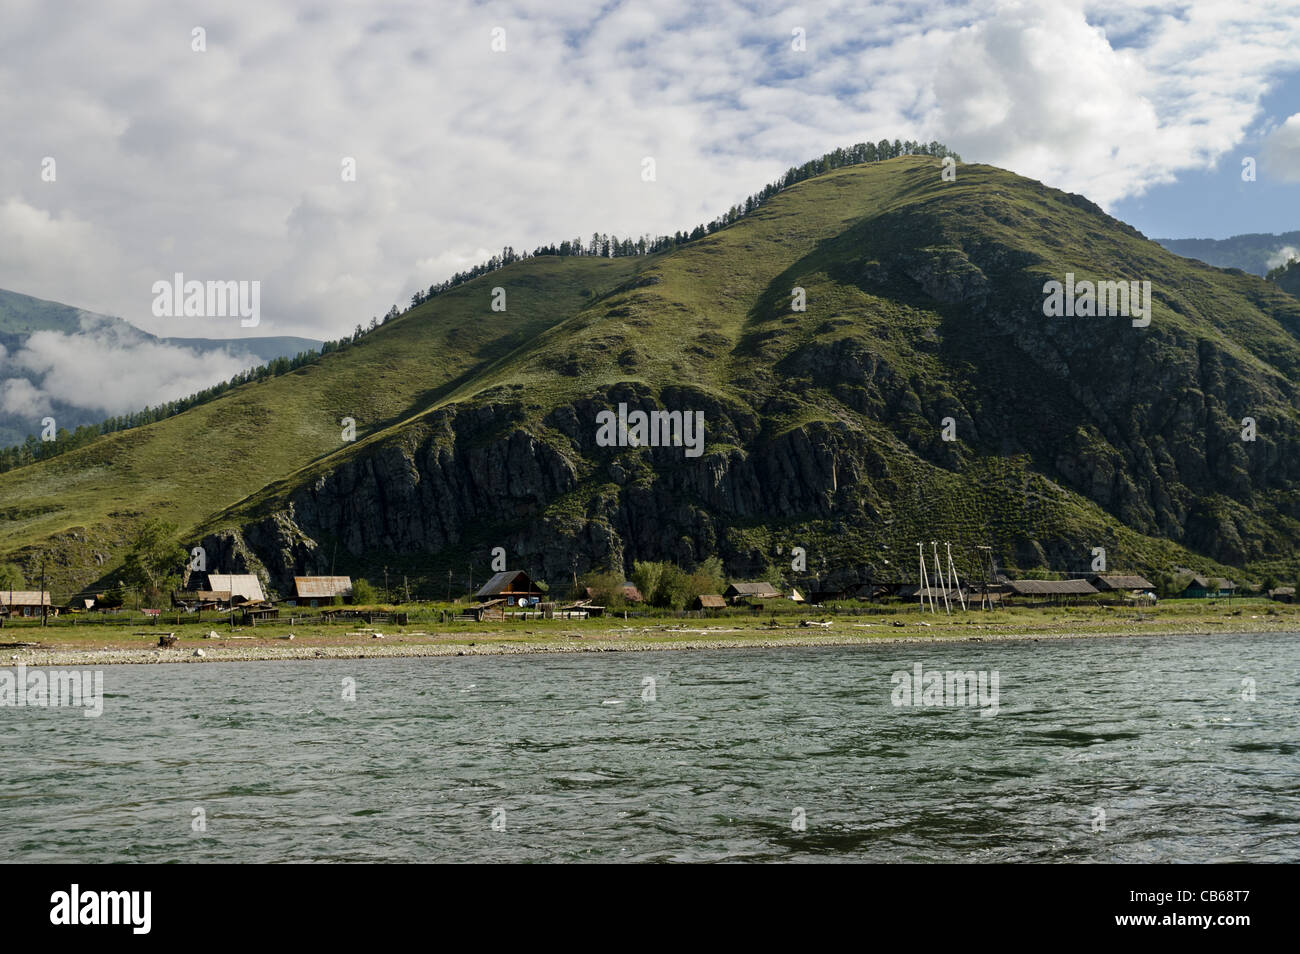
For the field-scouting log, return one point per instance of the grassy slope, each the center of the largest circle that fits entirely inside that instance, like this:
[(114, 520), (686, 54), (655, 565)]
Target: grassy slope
[(187, 467)]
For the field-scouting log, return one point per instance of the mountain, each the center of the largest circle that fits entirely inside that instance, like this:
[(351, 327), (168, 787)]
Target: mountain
[(824, 428), (44, 345), (1256, 252)]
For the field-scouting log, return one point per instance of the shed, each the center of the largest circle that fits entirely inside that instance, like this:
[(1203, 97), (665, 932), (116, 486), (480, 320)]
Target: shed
[(936, 593), (201, 599), (1282, 594), (511, 586), (259, 614), (488, 609), (709, 601), (320, 590)]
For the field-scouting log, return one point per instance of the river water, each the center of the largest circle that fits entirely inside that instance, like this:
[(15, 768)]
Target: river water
[(1137, 749)]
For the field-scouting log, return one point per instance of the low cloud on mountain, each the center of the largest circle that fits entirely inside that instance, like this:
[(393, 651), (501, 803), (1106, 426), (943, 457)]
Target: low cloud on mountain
[(106, 368)]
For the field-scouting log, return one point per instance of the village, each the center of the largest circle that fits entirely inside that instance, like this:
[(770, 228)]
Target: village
[(241, 599)]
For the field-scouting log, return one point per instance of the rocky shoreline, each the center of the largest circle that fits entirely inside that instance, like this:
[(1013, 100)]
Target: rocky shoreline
[(567, 643)]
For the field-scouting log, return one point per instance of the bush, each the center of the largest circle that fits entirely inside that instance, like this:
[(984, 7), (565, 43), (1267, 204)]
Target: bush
[(606, 589), (363, 594)]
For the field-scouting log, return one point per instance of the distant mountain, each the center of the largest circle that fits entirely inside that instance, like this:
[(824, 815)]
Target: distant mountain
[(870, 356), (54, 360), (1256, 252)]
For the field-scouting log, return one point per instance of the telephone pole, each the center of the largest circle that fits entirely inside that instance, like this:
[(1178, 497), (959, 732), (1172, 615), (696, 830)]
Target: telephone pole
[(44, 604)]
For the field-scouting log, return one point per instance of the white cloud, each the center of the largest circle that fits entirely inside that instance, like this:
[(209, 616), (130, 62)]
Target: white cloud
[(1281, 154), (20, 397), (225, 164), (1283, 255), (109, 370)]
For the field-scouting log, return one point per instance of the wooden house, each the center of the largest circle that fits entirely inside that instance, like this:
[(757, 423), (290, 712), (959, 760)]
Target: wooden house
[(26, 603), (320, 590), (513, 586), (1282, 594), (1202, 587), (742, 592)]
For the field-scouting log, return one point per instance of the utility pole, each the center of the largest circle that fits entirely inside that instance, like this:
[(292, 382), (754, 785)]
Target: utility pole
[(44, 604), (924, 583), (449, 586), (943, 582), (386, 599), (407, 587), (952, 575)]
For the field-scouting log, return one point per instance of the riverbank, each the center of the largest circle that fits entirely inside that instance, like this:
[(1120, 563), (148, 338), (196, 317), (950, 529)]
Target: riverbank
[(76, 646)]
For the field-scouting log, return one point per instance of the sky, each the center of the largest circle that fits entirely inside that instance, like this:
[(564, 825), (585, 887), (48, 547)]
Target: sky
[(210, 139)]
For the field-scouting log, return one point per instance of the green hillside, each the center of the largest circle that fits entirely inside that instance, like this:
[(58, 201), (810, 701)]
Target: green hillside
[(21, 316), (924, 298), (190, 466)]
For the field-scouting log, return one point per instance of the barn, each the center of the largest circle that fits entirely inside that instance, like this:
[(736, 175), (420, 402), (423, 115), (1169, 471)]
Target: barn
[(320, 590), (1055, 591)]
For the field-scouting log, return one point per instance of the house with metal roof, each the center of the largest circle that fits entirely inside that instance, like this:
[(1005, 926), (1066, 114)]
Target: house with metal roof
[(242, 587)]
